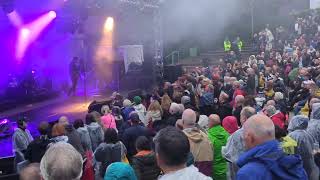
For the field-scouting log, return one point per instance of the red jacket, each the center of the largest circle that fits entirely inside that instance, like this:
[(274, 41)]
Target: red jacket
[(279, 119)]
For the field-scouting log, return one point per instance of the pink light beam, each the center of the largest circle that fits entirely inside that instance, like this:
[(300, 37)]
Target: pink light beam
[(30, 32), (15, 18)]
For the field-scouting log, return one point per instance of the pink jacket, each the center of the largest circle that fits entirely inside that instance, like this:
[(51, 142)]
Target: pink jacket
[(108, 121)]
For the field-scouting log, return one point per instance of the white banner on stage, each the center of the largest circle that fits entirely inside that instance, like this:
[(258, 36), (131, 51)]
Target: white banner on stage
[(132, 55), (314, 4)]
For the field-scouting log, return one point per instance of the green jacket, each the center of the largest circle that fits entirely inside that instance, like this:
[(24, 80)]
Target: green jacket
[(218, 137)]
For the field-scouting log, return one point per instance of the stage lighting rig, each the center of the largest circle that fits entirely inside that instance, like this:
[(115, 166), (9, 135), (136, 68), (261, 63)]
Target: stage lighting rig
[(7, 6)]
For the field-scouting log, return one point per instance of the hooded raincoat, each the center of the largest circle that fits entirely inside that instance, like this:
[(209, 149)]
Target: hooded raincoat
[(297, 128), (268, 161), (201, 149), (218, 137), (314, 123)]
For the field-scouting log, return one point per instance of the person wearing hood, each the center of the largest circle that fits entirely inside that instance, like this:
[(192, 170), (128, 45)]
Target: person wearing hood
[(20, 140), (230, 124), (297, 131), (200, 145), (84, 134), (172, 150), (139, 108), (127, 109), (218, 137), (110, 151), (263, 158), (73, 135), (120, 170), (144, 162), (314, 123), (235, 144), (95, 131)]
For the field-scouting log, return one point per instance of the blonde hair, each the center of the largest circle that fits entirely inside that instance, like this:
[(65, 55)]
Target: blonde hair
[(165, 102), (155, 106)]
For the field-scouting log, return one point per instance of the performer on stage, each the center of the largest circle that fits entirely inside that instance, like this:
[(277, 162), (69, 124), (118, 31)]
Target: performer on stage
[(74, 71)]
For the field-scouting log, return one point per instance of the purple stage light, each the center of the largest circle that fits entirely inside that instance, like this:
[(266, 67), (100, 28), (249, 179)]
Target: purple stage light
[(25, 33), (31, 32), (15, 18), (52, 14), (3, 121)]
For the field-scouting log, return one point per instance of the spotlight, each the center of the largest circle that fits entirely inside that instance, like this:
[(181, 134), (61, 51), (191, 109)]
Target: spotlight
[(25, 32), (7, 6), (52, 14), (108, 25)]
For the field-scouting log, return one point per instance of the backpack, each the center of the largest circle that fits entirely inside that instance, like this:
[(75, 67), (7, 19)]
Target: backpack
[(96, 137)]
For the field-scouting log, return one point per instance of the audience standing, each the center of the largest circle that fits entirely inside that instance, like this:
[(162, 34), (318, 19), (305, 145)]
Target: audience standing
[(263, 158), (144, 162), (110, 151), (61, 162), (21, 139), (200, 146), (172, 150), (37, 148), (218, 137)]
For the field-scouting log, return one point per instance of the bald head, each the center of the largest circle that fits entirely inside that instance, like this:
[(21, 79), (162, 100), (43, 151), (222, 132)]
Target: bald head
[(189, 118), (257, 130), (214, 120)]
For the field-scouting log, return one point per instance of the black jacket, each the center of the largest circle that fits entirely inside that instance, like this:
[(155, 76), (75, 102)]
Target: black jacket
[(36, 149), (130, 136), (236, 113), (146, 167), (224, 110), (172, 119)]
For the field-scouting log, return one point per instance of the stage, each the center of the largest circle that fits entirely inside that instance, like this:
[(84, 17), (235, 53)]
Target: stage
[(50, 110)]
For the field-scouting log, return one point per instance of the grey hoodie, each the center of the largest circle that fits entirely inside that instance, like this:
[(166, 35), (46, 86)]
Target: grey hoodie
[(85, 138), (96, 134), (109, 153)]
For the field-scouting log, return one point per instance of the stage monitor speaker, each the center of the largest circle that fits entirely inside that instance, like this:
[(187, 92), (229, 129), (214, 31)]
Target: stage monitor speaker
[(172, 72), (97, 105)]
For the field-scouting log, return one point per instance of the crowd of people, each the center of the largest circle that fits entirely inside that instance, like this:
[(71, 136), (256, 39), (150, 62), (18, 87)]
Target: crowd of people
[(242, 119)]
